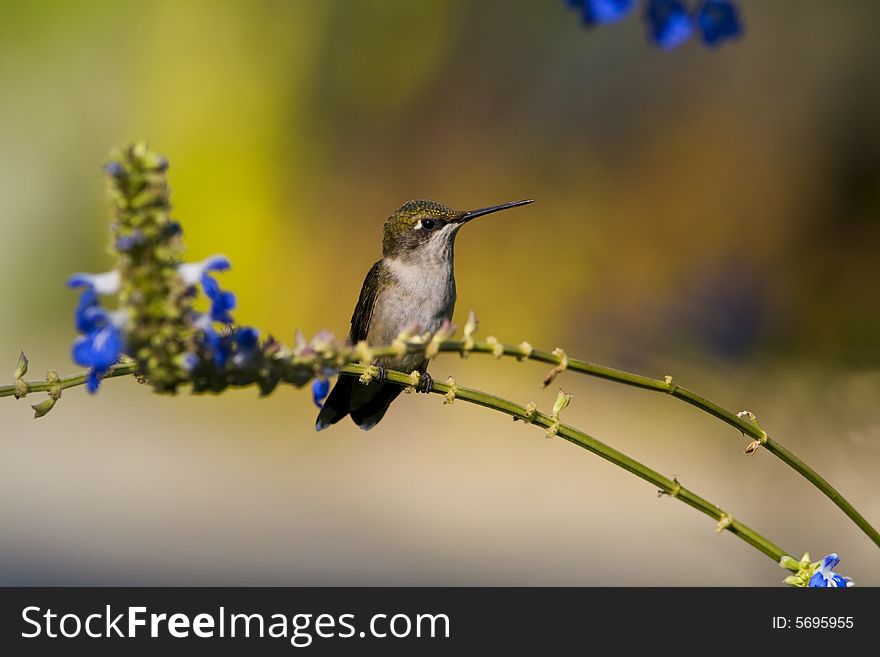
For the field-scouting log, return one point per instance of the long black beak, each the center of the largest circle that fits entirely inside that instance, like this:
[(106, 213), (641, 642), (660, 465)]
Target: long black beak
[(473, 214)]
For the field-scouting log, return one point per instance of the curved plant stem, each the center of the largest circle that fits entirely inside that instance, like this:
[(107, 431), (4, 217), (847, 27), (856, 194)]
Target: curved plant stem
[(669, 387), (669, 486)]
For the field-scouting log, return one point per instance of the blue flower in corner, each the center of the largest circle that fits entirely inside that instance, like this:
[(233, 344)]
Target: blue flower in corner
[(101, 343), (718, 21), (669, 24), (320, 390), (826, 577), (602, 11)]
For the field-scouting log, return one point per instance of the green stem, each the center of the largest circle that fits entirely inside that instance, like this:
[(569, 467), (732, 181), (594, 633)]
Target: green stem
[(581, 439), (670, 388), (65, 382)]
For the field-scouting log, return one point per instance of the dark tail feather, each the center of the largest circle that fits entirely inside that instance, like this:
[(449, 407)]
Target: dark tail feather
[(368, 415), (337, 404)]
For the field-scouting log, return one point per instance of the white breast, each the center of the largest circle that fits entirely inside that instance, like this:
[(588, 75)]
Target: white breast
[(423, 294)]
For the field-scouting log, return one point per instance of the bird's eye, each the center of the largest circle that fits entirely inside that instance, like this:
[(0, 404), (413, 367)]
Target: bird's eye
[(428, 224)]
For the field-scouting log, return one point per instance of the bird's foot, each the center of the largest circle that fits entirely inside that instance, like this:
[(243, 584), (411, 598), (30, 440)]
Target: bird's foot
[(426, 382), (380, 372)]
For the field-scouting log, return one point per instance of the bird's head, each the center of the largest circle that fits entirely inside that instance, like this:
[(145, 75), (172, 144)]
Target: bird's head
[(428, 228)]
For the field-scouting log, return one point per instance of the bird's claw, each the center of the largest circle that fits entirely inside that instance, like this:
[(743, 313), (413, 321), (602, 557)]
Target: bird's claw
[(380, 372), (426, 383)]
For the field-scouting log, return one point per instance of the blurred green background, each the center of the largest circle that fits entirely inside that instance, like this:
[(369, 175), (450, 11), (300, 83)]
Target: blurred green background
[(710, 215)]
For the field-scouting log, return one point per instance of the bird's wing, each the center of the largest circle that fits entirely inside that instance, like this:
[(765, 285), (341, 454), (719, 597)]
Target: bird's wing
[(363, 311)]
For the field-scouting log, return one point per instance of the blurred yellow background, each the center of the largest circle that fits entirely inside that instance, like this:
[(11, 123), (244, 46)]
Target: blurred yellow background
[(710, 215)]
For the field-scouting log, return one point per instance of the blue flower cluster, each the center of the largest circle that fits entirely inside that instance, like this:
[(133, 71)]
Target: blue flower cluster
[(102, 342), (158, 328), (670, 22), (826, 577)]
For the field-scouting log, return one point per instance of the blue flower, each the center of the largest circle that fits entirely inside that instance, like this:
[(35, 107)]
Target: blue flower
[(105, 283), (220, 347), (192, 272), (114, 169), (669, 24), (320, 390), (718, 21), (171, 229), (241, 346), (222, 301), (826, 577), (87, 311), (603, 11), (102, 342), (195, 273), (190, 361), (246, 341), (126, 243), (98, 351)]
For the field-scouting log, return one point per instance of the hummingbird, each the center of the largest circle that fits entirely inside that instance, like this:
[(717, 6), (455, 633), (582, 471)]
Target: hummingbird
[(413, 284)]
